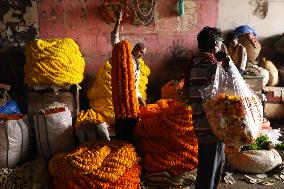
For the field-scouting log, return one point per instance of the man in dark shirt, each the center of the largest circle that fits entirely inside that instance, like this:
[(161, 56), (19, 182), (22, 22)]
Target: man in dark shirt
[(200, 73)]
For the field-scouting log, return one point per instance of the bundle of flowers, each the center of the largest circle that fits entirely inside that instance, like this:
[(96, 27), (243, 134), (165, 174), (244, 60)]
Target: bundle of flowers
[(233, 119), (111, 164), (53, 61), (88, 116), (123, 82), (166, 138), (100, 94)]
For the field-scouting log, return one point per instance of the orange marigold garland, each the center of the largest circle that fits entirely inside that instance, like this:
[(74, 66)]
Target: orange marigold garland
[(111, 164), (167, 122), (123, 82)]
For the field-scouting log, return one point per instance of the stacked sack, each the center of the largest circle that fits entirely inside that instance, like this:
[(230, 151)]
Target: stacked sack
[(166, 138), (53, 61), (110, 164), (90, 126)]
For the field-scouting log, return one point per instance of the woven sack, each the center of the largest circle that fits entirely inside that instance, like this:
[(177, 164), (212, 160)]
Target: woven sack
[(14, 142), (254, 161), (252, 52), (273, 72)]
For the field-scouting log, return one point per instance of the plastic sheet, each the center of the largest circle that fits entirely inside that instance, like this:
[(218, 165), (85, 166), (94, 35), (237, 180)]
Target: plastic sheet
[(234, 112)]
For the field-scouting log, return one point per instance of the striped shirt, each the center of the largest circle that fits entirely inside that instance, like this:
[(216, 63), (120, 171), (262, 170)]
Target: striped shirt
[(199, 74)]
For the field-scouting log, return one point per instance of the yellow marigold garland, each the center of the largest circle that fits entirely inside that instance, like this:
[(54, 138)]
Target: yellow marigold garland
[(123, 82), (53, 61), (111, 164), (143, 81), (167, 122), (88, 116)]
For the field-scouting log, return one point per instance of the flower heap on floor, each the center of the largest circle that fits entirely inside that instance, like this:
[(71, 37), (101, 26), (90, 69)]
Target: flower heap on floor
[(166, 138), (233, 119), (89, 116), (54, 62), (124, 97), (111, 164)]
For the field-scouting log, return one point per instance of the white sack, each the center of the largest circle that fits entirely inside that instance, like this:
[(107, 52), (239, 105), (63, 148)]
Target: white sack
[(92, 133), (254, 161), (14, 142), (54, 133)]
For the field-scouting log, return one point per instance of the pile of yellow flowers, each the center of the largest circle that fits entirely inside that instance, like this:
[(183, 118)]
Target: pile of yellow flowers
[(102, 165), (100, 94), (53, 61), (166, 137), (88, 116)]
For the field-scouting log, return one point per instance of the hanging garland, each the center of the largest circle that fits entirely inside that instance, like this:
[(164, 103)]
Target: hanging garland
[(144, 12), (124, 96)]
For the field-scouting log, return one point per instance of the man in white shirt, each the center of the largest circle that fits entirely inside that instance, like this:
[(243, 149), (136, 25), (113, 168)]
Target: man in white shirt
[(138, 52)]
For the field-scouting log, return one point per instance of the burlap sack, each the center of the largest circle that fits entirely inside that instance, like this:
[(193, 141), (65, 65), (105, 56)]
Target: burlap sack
[(273, 72), (253, 161), (252, 52)]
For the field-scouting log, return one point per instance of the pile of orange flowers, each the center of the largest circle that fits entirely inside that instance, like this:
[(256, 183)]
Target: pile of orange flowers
[(123, 82), (6, 117), (89, 116), (166, 137), (109, 164)]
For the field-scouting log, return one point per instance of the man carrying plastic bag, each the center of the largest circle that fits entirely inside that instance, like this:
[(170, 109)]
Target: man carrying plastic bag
[(201, 76)]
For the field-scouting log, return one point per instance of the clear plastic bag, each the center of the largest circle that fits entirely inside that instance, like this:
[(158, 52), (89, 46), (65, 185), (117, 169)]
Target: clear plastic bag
[(234, 112)]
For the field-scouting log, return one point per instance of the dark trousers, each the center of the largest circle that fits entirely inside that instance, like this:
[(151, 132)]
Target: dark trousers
[(124, 128), (211, 159)]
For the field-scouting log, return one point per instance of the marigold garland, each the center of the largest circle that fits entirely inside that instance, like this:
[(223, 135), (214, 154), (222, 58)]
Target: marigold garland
[(111, 164), (100, 94), (53, 61), (167, 122), (6, 117), (89, 116), (123, 82)]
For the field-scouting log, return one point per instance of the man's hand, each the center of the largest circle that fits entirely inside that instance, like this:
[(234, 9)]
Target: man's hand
[(141, 101), (222, 56)]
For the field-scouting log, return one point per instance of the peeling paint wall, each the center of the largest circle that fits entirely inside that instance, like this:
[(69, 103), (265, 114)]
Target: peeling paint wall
[(18, 21), (82, 21), (233, 13)]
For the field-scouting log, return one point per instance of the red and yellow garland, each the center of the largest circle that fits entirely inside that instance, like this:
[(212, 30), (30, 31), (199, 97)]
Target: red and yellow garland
[(166, 137), (104, 165), (123, 82)]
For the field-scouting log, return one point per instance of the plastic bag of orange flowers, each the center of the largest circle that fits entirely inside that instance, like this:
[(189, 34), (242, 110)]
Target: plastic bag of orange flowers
[(234, 112)]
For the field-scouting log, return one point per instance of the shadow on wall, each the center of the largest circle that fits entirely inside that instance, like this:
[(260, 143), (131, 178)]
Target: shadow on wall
[(12, 61), (173, 69)]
